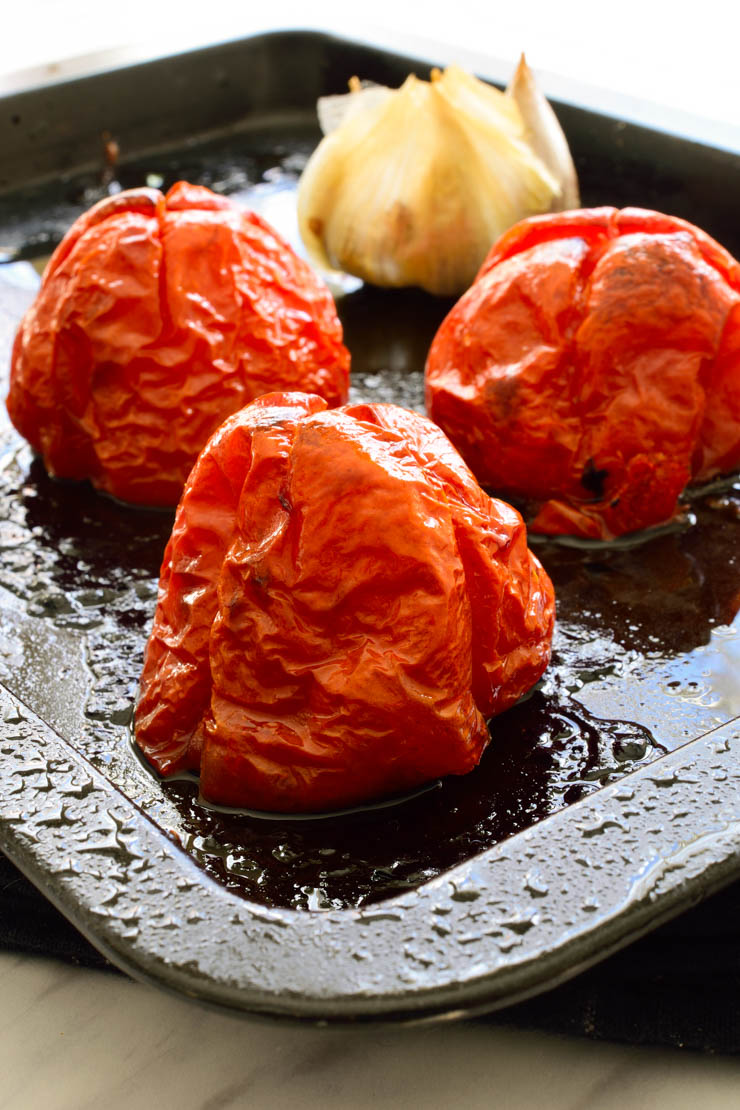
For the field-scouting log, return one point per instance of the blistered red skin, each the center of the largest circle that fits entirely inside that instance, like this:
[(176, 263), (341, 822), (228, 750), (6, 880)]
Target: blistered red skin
[(340, 609), (594, 368), (157, 317)]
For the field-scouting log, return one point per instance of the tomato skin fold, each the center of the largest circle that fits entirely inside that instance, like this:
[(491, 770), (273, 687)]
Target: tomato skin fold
[(158, 316), (340, 609), (593, 368)]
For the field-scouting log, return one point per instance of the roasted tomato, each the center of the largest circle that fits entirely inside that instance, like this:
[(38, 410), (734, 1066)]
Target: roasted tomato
[(157, 317), (340, 608), (594, 368)]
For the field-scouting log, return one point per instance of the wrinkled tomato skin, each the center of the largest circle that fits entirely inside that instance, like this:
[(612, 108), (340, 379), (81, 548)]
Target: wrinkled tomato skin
[(593, 368), (157, 317), (340, 609)]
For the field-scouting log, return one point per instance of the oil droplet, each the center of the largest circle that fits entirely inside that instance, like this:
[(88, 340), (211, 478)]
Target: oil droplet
[(317, 899), (368, 916), (466, 890), (600, 825), (520, 924), (535, 885), (283, 853)]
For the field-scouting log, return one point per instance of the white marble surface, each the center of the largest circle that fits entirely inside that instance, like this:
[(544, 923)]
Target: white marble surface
[(73, 1039), (85, 1040)]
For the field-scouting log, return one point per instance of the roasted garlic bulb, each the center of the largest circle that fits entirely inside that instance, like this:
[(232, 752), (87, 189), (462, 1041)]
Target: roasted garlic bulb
[(411, 186)]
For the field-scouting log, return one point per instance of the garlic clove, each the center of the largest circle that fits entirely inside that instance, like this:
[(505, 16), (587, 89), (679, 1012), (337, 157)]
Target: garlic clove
[(477, 101), (545, 135), (510, 180)]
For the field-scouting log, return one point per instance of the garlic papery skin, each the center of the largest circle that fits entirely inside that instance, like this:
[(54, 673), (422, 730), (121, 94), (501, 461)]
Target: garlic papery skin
[(333, 110), (545, 135), (412, 186)]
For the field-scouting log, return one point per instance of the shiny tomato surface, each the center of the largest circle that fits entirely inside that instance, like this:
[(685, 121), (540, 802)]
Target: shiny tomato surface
[(157, 317), (340, 609), (594, 368)]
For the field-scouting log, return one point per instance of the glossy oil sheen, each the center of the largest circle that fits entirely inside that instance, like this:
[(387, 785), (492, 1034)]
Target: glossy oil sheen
[(646, 653)]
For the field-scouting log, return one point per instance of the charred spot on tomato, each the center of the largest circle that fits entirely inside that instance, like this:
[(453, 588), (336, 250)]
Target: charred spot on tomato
[(503, 395), (593, 479)]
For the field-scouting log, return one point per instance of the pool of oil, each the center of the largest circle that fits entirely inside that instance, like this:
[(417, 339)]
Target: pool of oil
[(646, 651)]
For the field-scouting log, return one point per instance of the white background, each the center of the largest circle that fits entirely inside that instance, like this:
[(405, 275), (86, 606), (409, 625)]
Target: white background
[(677, 65)]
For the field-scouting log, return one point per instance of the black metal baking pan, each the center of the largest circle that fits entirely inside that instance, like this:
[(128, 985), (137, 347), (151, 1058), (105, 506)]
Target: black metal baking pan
[(607, 801)]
